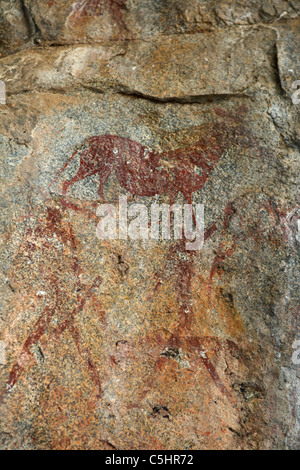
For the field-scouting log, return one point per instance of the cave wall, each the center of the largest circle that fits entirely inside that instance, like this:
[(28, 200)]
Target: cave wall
[(137, 344)]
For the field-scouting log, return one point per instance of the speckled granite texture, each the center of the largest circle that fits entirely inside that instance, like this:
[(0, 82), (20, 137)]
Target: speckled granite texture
[(139, 344)]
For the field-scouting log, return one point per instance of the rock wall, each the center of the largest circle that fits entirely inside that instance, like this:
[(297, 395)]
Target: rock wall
[(138, 344)]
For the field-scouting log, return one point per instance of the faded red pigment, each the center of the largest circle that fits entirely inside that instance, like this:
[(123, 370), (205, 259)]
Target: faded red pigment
[(145, 172), (43, 232), (95, 8)]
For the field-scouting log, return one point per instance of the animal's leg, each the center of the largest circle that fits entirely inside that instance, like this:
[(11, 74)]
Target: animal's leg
[(67, 184), (64, 168), (189, 200), (103, 177), (78, 177)]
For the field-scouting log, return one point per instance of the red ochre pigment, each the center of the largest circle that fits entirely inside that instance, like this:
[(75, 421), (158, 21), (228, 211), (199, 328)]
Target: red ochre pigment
[(145, 172)]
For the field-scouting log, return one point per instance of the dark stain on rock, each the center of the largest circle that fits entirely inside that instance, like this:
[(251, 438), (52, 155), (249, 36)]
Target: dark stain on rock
[(172, 353), (249, 391), (161, 411), (123, 267)]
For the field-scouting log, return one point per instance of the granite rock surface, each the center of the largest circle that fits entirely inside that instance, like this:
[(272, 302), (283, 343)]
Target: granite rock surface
[(143, 344)]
